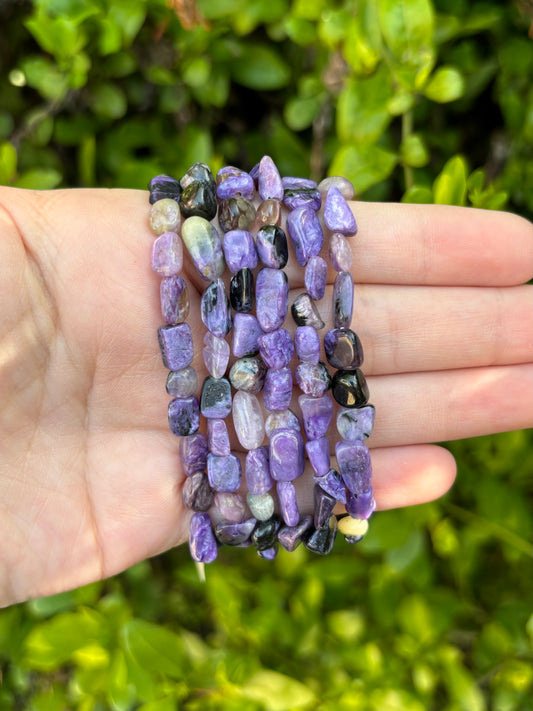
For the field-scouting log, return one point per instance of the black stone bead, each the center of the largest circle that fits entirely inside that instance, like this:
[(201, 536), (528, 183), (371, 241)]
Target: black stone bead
[(343, 349), (266, 532), (236, 213), (215, 401), (163, 186), (248, 374), (198, 172), (305, 312), (215, 309), (324, 504), (272, 246), (349, 388), (198, 199), (353, 539), (241, 290), (321, 540)]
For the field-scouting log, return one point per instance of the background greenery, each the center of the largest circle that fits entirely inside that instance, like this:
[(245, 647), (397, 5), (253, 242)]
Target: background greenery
[(412, 99)]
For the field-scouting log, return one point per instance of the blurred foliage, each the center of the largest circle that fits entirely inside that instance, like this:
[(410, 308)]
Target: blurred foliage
[(411, 99)]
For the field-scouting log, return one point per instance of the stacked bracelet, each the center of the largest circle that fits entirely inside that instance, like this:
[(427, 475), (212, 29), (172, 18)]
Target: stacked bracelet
[(263, 349)]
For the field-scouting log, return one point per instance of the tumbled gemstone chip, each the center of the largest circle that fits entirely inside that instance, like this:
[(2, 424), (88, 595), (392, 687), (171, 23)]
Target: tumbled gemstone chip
[(236, 213), (343, 300), (290, 537), (216, 353), (268, 553), (216, 309), (353, 459), (345, 187), (196, 493), (184, 416), (305, 231), (163, 186), (272, 247), (350, 526), (269, 180), (301, 192), (305, 312), (356, 423), (276, 348), (203, 243), (216, 398), (167, 254), (224, 472), (265, 534), (312, 379), (333, 484), (321, 540), (248, 374), (316, 414), (193, 453), (202, 543), (164, 216), (307, 343), (182, 383), (261, 505), (277, 391), (286, 455), (272, 298), (234, 534), (245, 334), (175, 302), (233, 182), (241, 291), (349, 388), (337, 214), (268, 213), (176, 345), (360, 505), (248, 420), (217, 437), (315, 277), (340, 253), (231, 506), (343, 349), (288, 504), (198, 200), (198, 172), (323, 507), (239, 250), (258, 478), (318, 454), (281, 420)]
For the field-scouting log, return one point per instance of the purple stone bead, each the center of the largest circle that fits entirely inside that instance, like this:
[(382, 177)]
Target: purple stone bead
[(343, 184), (232, 182), (215, 401), (272, 298), (184, 416), (343, 349), (193, 453), (324, 504), (337, 214), (281, 420), (290, 183), (202, 542), (224, 472), (300, 192), (235, 534), (216, 309), (357, 423), (360, 505), (246, 333), (286, 455), (343, 300), (218, 438), (216, 354), (258, 479), (277, 391), (269, 180), (340, 253), (167, 254), (196, 493), (305, 231), (288, 504), (290, 537), (313, 379), (254, 173), (334, 485), (163, 186), (353, 459), (276, 348), (305, 312), (316, 414), (318, 454), (272, 246), (231, 506), (182, 383), (268, 553), (315, 277), (239, 250), (174, 299), (176, 345), (307, 342)]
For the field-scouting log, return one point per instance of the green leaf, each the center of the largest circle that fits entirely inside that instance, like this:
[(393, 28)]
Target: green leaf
[(300, 112), (364, 165), (362, 108), (154, 648), (39, 179), (44, 75), (449, 187), (129, 16), (418, 194), (402, 102), (413, 151), (260, 67), (8, 163), (108, 100), (278, 692), (58, 36), (445, 85)]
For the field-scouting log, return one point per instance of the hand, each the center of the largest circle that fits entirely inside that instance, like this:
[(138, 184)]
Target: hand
[(89, 473)]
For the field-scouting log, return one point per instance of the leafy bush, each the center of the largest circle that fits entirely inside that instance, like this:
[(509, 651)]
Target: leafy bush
[(414, 101)]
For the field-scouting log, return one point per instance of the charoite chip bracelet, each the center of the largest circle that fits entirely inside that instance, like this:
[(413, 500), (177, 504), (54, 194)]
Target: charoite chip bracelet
[(235, 221)]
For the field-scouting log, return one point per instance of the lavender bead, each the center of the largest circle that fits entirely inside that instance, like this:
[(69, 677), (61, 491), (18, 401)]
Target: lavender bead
[(315, 277), (196, 493), (176, 345), (313, 379), (343, 348), (281, 420), (184, 416), (232, 182), (343, 184), (215, 401), (258, 479), (286, 455), (277, 391), (343, 300), (216, 353), (333, 484), (218, 438), (174, 299), (254, 173), (357, 423), (224, 472), (307, 342), (167, 254), (276, 348), (272, 298), (202, 542), (305, 312), (235, 534), (272, 247), (163, 186), (288, 502), (204, 245), (353, 459), (318, 454), (216, 309), (193, 453), (248, 420), (182, 383), (360, 505), (246, 333), (316, 414), (290, 183), (323, 507), (231, 506), (290, 537), (301, 192), (248, 374), (337, 214), (305, 232), (269, 180), (268, 553), (239, 250), (340, 253)]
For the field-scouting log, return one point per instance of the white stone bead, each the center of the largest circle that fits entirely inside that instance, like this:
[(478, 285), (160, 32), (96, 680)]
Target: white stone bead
[(349, 526), (248, 420), (261, 506)]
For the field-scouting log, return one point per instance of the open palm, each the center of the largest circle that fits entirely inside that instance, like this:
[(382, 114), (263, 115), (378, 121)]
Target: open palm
[(90, 478)]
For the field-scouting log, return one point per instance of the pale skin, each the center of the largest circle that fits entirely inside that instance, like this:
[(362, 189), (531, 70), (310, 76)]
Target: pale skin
[(90, 477)]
